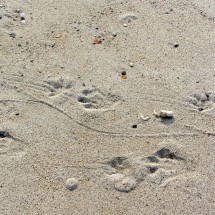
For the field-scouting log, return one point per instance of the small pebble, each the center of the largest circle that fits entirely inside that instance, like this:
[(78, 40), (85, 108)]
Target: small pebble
[(18, 10), (123, 75), (71, 184), (114, 34), (145, 118), (13, 35), (131, 64), (125, 25), (97, 41), (134, 126), (3, 134)]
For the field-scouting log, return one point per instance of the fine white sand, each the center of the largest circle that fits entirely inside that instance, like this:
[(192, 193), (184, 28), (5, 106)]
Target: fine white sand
[(73, 139)]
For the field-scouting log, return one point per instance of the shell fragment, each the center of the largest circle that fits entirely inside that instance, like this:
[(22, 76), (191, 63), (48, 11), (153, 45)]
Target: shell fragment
[(145, 118), (164, 114)]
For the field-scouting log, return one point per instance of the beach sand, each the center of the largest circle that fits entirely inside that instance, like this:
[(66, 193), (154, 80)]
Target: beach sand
[(77, 138)]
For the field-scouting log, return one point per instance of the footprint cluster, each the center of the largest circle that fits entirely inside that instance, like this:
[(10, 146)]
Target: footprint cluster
[(125, 174)]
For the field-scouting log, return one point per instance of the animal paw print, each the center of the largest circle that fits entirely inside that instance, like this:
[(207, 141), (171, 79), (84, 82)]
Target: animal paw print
[(202, 101), (93, 98), (165, 159), (60, 89), (125, 174)]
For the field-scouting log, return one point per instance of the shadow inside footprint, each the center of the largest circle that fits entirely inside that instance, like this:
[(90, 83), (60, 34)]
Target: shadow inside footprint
[(153, 169), (153, 159), (4, 134), (83, 99), (167, 153), (87, 91), (117, 162)]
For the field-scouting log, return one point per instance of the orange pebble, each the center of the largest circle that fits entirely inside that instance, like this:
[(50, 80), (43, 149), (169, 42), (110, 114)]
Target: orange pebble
[(97, 41)]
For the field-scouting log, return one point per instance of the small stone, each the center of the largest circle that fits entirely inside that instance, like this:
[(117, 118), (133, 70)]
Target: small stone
[(97, 41), (145, 118), (3, 134), (125, 25), (71, 184), (123, 75), (18, 10), (13, 35), (134, 126), (131, 64), (114, 34), (0, 17)]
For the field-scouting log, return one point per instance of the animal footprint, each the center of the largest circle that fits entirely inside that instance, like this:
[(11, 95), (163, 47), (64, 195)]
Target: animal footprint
[(202, 101), (165, 158), (168, 154), (59, 89), (93, 98), (125, 174)]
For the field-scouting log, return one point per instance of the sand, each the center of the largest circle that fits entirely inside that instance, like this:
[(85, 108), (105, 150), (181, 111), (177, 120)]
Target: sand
[(77, 138)]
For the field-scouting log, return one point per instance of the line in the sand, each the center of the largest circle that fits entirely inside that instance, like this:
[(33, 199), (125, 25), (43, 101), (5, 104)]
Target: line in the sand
[(107, 132)]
